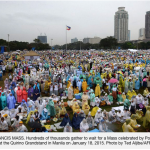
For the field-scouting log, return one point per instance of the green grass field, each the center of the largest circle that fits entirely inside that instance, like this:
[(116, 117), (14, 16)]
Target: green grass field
[(115, 127)]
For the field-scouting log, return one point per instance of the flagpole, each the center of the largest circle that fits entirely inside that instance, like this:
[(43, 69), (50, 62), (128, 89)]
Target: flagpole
[(66, 37)]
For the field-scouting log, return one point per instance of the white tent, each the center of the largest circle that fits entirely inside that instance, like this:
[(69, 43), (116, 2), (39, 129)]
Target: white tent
[(132, 50)]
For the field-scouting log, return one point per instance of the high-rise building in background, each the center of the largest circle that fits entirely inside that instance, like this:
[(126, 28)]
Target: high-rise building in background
[(43, 39), (141, 33), (74, 40), (121, 25), (94, 40), (129, 33), (147, 25)]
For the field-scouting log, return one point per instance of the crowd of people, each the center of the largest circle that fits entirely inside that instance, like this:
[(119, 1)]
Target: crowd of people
[(41, 91)]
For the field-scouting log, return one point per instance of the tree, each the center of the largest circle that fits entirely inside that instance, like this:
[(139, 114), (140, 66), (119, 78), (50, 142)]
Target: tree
[(108, 43)]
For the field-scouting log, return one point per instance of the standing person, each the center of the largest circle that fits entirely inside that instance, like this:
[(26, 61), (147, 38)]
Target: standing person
[(104, 83), (19, 95), (51, 89), (3, 68), (30, 92), (24, 94), (3, 101), (36, 93), (60, 87), (70, 93), (97, 91), (56, 89), (11, 101)]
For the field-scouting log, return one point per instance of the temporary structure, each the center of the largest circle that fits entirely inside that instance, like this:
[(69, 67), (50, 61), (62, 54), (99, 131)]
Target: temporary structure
[(31, 55)]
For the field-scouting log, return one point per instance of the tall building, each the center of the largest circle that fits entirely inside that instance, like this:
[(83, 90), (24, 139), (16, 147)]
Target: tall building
[(141, 33), (129, 35), (43, 39), (94, 40), (74, 40), (147, 25), (121, 25)]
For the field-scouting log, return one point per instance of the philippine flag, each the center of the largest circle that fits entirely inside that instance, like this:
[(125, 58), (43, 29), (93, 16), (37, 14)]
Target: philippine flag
[(68, 28)]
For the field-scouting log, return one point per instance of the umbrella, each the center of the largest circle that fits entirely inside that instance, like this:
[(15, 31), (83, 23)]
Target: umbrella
[(113, 81), (34, 125)]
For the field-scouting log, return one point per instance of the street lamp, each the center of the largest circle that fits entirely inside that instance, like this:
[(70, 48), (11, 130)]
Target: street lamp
[(51, 43)]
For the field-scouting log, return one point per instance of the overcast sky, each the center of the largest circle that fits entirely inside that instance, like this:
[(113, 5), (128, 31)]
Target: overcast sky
[(24, 21)]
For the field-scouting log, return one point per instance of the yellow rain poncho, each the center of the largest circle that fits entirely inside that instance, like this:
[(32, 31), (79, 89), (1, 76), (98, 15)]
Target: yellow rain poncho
[(124, 97), (146, 92), (86, 108), (129, 94), (76, 90), (139, 114), (69, 83), (76, 108), (46, 87), (133, 93), (97, 91), (29, 115), (146, 119), (94, 111), (126, 126), (84, 85), (119, 89), (133, 122)]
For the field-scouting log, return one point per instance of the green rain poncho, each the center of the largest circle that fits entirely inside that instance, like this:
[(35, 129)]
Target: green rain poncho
[(92, 97), (119, 98), (110, 97), (50, 107), (126, 103), (98, 81)]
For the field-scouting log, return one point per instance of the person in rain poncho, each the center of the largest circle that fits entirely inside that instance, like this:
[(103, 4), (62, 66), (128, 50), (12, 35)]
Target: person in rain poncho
[(126, 103), (123, 96), (146, 93), (126, 126), (146, 118), (66, 120), (31, 105), (79, 85), (84, 85), (24, 94), (40, 104), (5, 111), (110, 97), (137, 84), (86, 108), (98, 116), (103, 127), (84, 127), (70, 92), (133, 105), (130, 85), (119, 98), (112, 116), (119, 116), (114, 92), (139, 100), (90, 82), (68, 128), (84, 98), (30, 117), (97, 101), (44, 114), (126, 85), (3, 101), (97, 91), (15, 123), (76, 121), (22, 127), (50, 107), (19, 95), (133, 122), (92, 98), (82, 115), (36, 93), (3, 124), (11, 101), (90, 120), (13, 113)]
